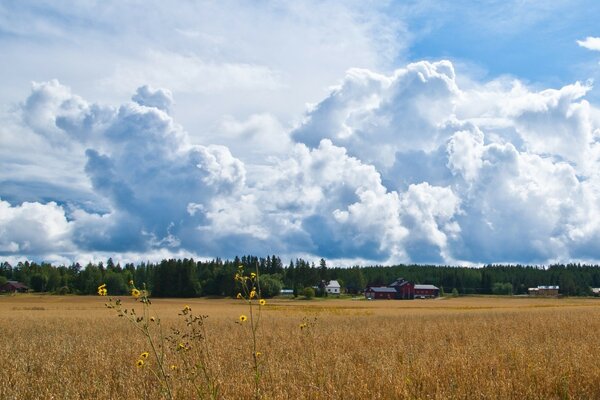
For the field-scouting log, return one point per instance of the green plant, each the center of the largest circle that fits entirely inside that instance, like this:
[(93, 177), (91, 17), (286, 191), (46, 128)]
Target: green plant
[(308, 293), (183, 354), (251, 294)]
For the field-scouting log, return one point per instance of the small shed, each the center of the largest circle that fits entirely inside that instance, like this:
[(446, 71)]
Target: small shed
[(426, 291), (333, 287), (13, 287)]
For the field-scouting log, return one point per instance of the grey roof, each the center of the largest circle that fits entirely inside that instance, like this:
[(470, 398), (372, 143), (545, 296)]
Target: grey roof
[(382, 289), (430, 287), (399, 282)]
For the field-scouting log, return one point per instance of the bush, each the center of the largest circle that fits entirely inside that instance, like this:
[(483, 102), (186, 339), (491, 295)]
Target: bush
[(308, 293), (270, 285), (502, 288), (63, 290)]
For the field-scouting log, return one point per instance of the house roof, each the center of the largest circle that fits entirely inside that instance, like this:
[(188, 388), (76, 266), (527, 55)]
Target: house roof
[(333, 284), (382, 289), (428, 287)]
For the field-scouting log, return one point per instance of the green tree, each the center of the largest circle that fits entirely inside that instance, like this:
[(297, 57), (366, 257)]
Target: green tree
[(270, 285), (38, 282), (308, 292), (502, 288)]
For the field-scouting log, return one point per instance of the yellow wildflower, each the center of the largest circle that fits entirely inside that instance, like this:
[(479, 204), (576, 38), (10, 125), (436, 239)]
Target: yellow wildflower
[(180, 346), (253, 294), (173, 367), (240, 267), (262, 302), (131, 283), (187, 309), (140, 363), (135, 293), (144, 355), (243, 318), (252, 275), (258, 354), (239, 296), (102, 290)]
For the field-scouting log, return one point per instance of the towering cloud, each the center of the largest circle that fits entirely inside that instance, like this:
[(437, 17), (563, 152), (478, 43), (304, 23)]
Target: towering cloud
[(398, 168)]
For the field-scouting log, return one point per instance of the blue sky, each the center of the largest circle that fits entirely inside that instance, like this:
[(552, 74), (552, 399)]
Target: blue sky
[(364, 132)]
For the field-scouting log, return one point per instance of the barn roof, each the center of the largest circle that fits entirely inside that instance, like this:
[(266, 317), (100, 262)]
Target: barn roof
[(13, 285), (382, 289), (428, 287), (399, 282), (17, 285)]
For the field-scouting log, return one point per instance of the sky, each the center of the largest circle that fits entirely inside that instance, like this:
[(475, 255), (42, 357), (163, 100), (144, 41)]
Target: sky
[(362, 132)]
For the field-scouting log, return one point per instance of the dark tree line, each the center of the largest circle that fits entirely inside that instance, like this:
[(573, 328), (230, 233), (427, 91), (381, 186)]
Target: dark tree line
[(190, 278)]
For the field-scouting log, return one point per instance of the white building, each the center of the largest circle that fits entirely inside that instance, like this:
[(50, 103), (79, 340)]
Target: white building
[(333, 287)]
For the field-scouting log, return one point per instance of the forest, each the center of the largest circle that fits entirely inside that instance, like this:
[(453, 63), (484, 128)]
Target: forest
[(190, 278)]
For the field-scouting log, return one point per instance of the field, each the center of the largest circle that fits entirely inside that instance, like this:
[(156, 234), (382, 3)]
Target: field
[(72, 347)]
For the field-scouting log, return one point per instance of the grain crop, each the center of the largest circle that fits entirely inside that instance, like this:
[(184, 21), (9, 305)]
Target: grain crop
[(73, 347)]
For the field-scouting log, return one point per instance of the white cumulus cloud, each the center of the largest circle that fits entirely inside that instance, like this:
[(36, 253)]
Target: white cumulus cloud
[(384, 168), (590, 43)]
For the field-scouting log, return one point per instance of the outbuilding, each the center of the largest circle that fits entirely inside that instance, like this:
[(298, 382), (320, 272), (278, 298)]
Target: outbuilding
[(544, 291), (426, 291), (380, 292), (13, 287)]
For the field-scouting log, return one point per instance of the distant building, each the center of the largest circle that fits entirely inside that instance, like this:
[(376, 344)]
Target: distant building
[(544, 291), (401, 289), (426, 291), (380, 292), (287, 292), (405, 290), (13, 287), (333, 287)]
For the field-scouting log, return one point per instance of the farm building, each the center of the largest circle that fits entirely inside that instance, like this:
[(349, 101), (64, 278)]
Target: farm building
[(426, 291), (13, 287), (405, 290), (401, 289), (333, 287), (380, 292), (544, 291)]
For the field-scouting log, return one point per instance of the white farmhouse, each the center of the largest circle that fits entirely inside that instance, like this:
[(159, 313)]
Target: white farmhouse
[(333, 287)]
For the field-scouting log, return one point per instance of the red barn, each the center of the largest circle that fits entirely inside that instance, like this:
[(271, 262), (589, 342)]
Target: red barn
[(400, 289), (405, 290), (426, 291), (380, 292), (12, 287)]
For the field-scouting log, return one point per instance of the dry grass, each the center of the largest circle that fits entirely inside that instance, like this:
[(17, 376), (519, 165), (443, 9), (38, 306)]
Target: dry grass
[(465, 348)]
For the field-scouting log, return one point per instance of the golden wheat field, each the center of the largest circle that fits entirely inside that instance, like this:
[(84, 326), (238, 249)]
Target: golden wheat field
[(73, 347)]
